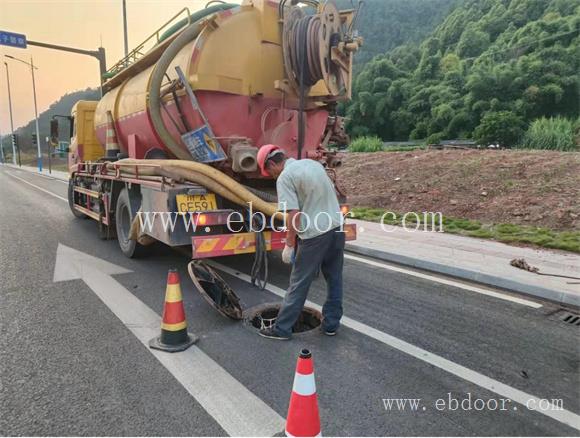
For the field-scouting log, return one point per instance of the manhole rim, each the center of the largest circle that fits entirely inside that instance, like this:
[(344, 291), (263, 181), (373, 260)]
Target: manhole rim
[(249, 314)]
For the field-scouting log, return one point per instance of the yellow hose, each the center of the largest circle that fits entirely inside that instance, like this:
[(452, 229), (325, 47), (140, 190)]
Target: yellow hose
[(210, 178)]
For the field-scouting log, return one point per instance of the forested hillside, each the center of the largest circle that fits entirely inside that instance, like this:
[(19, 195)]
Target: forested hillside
[(386, 24), (487, 71), (61, 107)]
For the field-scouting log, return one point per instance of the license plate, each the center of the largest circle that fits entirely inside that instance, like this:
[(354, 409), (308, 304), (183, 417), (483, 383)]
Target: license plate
[(192, 203)]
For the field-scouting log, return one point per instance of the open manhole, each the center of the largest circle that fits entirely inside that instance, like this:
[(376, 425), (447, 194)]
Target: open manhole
[(222, 298), (264, 316)]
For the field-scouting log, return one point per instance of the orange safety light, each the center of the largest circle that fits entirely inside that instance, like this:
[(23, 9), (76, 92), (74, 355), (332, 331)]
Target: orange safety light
[(202, 219)]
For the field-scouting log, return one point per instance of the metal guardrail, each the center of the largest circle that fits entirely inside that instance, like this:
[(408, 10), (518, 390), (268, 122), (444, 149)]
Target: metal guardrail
[(138, 52)]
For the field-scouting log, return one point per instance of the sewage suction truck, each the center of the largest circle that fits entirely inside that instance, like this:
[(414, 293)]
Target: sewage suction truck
[(177, 130)]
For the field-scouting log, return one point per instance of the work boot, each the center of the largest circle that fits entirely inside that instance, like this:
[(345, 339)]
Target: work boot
[(270, 333)]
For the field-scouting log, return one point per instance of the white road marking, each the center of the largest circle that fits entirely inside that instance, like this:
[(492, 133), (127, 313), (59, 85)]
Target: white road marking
[(235, 408), (37, 187), (566, 417), (213, 394), (432, 278), (436, 279), (52, 178)]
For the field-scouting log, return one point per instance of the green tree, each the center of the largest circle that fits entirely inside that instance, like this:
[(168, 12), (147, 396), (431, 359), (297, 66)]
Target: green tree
[(487, 57), (503, 127)]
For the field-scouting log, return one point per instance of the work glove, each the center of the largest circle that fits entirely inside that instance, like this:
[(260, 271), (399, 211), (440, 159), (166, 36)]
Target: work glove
[(288, 255)]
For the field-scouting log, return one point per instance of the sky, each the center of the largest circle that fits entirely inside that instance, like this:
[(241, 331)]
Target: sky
[(85, 24)]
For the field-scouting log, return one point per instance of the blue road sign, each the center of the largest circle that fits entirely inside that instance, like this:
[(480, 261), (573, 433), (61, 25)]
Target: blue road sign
[(12, 39)]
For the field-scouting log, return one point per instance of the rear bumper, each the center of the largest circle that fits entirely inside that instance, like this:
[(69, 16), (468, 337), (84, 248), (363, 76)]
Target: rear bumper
[(222, 245)]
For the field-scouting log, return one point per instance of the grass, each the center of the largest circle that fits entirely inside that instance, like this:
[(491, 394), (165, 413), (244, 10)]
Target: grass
[(375, 144), (507, 233), (366, 144), (403, 148), (555, 133)]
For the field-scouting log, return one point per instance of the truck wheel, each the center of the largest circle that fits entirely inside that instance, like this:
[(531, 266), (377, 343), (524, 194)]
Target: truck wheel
[(123, 219), (77, 213)]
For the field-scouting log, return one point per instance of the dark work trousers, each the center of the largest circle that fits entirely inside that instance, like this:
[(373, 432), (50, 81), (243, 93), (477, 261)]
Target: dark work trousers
[(325, 252)]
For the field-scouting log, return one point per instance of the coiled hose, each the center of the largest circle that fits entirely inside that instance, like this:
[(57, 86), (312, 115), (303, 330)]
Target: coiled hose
[(202, 174)]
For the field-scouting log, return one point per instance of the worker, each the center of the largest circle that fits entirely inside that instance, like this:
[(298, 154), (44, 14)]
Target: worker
[(315, 238)]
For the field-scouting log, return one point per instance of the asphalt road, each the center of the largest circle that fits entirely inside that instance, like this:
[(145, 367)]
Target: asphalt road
[(70, 366)]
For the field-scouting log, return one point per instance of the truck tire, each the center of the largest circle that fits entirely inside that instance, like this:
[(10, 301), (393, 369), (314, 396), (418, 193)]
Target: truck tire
[(124, 215), (70, 197)]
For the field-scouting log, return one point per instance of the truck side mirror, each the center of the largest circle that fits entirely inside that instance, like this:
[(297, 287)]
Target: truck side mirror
[(54, 132)]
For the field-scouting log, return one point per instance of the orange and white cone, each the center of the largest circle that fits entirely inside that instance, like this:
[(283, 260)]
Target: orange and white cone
[(303, 419), (111, 141), (174, 336)]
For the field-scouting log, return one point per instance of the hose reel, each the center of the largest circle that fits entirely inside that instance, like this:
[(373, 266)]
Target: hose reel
[(318, 47)]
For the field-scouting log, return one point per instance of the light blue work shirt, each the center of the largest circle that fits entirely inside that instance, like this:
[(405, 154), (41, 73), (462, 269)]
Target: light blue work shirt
[(304, 185)]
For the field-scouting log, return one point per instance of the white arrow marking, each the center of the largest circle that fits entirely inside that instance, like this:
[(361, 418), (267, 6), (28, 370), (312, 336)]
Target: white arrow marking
[(70, 264), (235, 408)]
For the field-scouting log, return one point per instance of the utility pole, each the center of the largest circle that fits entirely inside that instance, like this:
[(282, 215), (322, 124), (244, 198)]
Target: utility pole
[(125, 28), (11, 118), (32, 68)]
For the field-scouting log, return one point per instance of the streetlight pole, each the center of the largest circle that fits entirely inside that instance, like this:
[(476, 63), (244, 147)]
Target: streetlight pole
[(36, 115), (125, 28), (11, 119), (32, 68)]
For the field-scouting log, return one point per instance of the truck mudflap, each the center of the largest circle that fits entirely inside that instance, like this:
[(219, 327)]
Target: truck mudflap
[(221, 245)]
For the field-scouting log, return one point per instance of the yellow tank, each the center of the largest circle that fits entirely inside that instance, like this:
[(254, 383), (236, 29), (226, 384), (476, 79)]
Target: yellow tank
[(236, 67)]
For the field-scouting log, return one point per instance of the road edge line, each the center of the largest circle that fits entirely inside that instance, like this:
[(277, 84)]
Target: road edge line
[(563, 416)]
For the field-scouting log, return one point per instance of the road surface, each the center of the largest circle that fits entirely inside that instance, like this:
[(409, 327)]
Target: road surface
[(74, 361)]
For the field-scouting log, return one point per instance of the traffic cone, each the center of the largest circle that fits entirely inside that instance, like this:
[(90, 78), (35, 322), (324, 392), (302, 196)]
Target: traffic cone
[(174, 336), (303, 419), (111, 142)]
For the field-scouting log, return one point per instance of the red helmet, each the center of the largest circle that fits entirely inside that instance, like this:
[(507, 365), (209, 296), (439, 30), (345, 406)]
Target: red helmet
[(264, 154)]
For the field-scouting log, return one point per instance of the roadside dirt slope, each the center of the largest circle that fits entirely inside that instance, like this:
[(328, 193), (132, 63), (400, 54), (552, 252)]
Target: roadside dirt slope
[(529, 188)]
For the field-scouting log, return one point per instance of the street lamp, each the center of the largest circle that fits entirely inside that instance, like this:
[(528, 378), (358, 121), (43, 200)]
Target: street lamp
[(32, 68), (11, 119)]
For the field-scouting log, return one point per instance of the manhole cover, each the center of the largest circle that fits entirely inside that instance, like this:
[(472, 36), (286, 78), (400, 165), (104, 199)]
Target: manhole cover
[(215, 290), (264, 316)]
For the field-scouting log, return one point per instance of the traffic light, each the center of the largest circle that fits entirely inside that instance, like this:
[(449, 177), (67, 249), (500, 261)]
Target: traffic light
[(34, 140), (15, 140)]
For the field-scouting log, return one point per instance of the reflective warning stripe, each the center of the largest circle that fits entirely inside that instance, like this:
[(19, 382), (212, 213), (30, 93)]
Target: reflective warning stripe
[(173, 293), (231, 244), (304, 384), (208, 245), (174, 327)]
